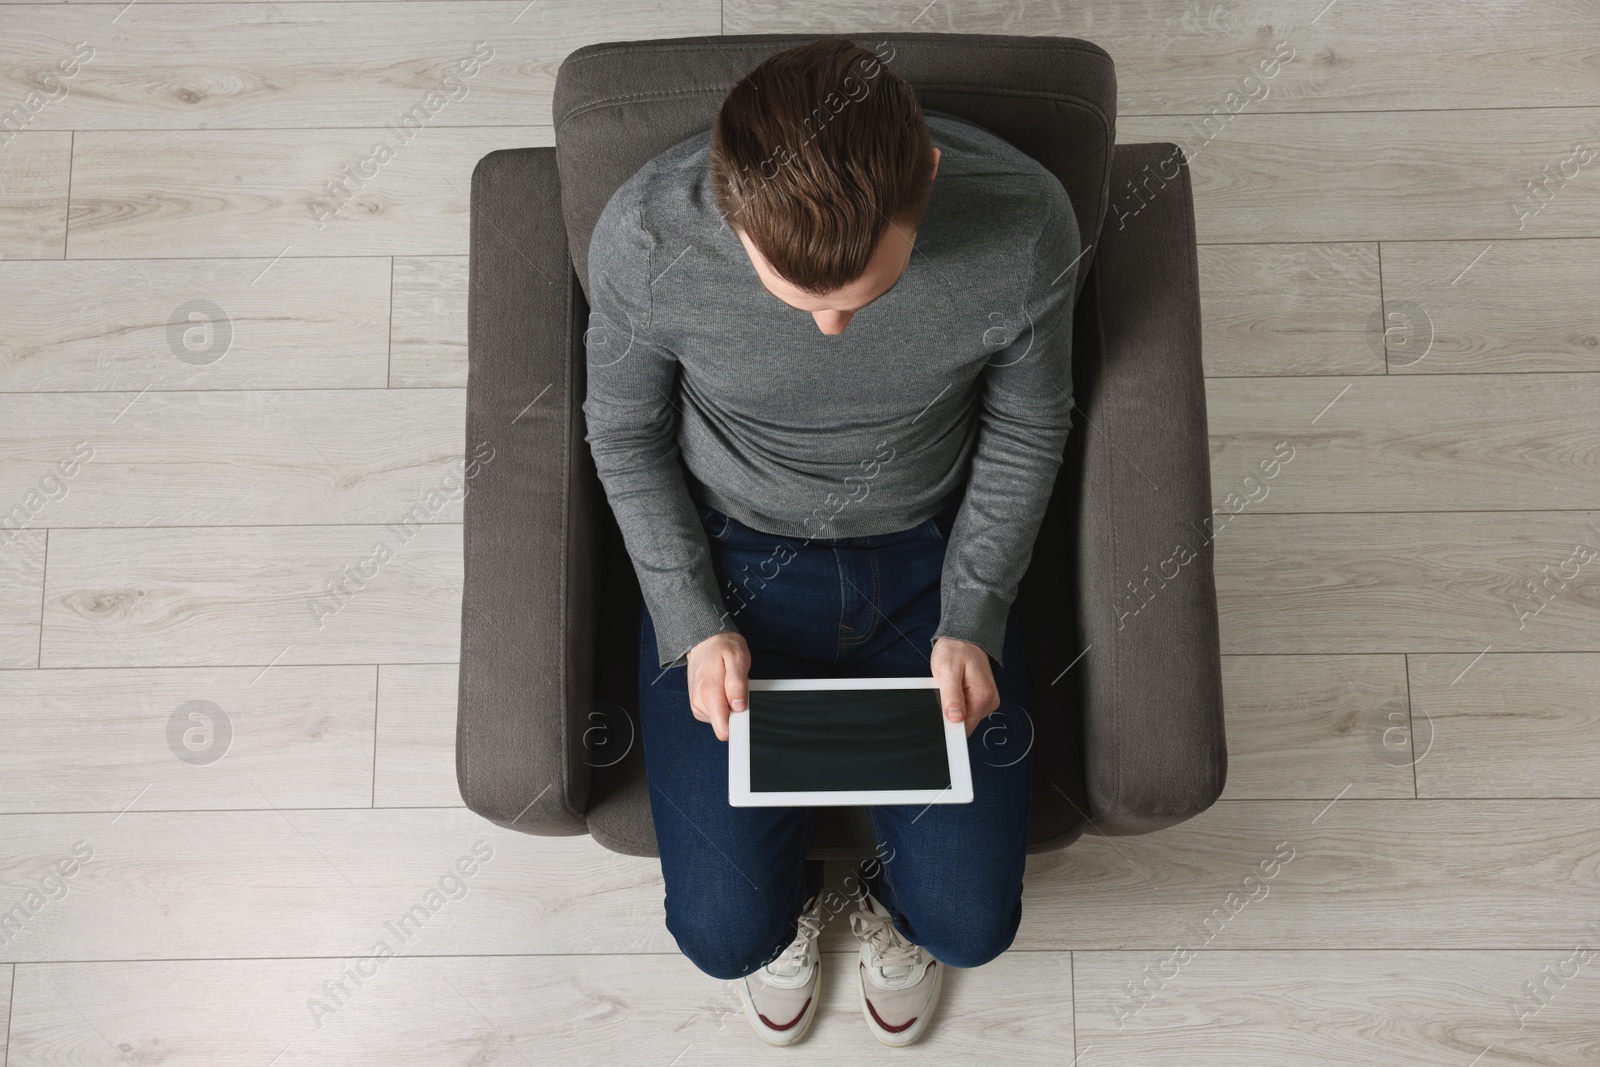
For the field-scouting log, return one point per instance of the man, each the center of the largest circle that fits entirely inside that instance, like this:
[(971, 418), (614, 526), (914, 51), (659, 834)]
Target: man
[(828, 393)]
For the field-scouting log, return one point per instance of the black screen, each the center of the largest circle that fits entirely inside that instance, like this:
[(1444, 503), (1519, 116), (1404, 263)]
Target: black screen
[(847, 739)]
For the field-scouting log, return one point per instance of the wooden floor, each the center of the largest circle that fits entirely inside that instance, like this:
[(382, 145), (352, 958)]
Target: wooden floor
[(1410, 614)]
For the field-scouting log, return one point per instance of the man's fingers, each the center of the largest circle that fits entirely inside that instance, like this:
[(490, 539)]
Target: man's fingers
[(977, 699), (719, 669), (734, 690), (981, 692), (983, 696), (713, 703), (719, 722), (719, 672), (736, 683), (951, 696)]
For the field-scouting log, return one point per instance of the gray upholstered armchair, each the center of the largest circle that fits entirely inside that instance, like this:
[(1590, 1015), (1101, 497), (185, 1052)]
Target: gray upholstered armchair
[(1119, 607)]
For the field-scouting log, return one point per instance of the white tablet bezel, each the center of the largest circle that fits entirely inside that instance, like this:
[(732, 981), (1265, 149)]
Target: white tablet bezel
[(959, 791)]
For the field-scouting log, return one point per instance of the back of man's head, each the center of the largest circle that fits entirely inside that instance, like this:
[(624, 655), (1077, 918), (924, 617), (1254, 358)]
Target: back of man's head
[(813, 153)]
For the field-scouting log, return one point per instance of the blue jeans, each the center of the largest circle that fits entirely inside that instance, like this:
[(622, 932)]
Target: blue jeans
[(737, 878)]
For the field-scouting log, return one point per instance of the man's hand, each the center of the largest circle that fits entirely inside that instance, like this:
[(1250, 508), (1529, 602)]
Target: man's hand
[(719, 679), (966, 683)]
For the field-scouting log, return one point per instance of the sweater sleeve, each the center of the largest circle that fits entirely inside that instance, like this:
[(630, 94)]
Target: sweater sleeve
[(632, 428), (1025, 412)]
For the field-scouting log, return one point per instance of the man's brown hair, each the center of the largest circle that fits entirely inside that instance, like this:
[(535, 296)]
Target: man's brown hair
[(814, 152)]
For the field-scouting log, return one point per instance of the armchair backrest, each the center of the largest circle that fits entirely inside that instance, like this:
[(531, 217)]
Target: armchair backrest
[(618, 105)]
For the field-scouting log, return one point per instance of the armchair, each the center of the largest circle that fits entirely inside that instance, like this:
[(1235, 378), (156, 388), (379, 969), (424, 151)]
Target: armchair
[(1127, 719)]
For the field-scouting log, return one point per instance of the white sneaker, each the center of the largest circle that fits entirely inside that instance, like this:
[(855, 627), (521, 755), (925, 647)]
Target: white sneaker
[(899, 981), (780, 999)]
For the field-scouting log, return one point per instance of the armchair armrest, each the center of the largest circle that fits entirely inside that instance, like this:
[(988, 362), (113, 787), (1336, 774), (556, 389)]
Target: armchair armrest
[(530, 580), (1154, 749)]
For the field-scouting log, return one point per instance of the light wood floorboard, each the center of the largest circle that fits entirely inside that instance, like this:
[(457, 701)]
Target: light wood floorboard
[(251, 457), (290, 323), (1307, 727), (1467, 442), (1354, 1009), (1282, 309), (1454, 582), (470, 1012), (253, 595), (1354, 873), (175, 738), (263, 192), (1367, 176), (1495, 307), (307, 65), (1375, 874), (22, 554), (7, 976), (1512, 726), (416, 749), (428, 342), (319, 883), (1185, 56), (33, 204)]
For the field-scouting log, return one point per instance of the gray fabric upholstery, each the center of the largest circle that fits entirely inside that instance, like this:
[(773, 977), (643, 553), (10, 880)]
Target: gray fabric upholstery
[(1128, 740), (529, 605), (1151, 683)]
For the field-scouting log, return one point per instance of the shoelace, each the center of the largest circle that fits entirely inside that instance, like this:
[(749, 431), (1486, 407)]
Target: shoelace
[(891, 952), (808, 926)]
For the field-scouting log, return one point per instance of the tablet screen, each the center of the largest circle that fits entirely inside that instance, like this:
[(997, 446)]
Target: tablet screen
[(838, 739)]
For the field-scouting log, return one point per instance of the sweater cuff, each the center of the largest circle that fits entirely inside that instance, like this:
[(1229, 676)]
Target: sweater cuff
[(687, 644), (975, 615), (685, 620)]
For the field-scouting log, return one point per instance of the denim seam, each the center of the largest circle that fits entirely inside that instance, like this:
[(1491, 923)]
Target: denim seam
[(878, 843), (877, 594), (874, 601), (838, 563), (859, 638)]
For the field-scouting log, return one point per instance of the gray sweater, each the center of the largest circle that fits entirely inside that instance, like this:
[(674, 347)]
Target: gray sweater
[(957, 378)]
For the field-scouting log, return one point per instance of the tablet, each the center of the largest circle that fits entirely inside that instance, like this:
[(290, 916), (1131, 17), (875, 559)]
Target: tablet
[(819, 742)]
